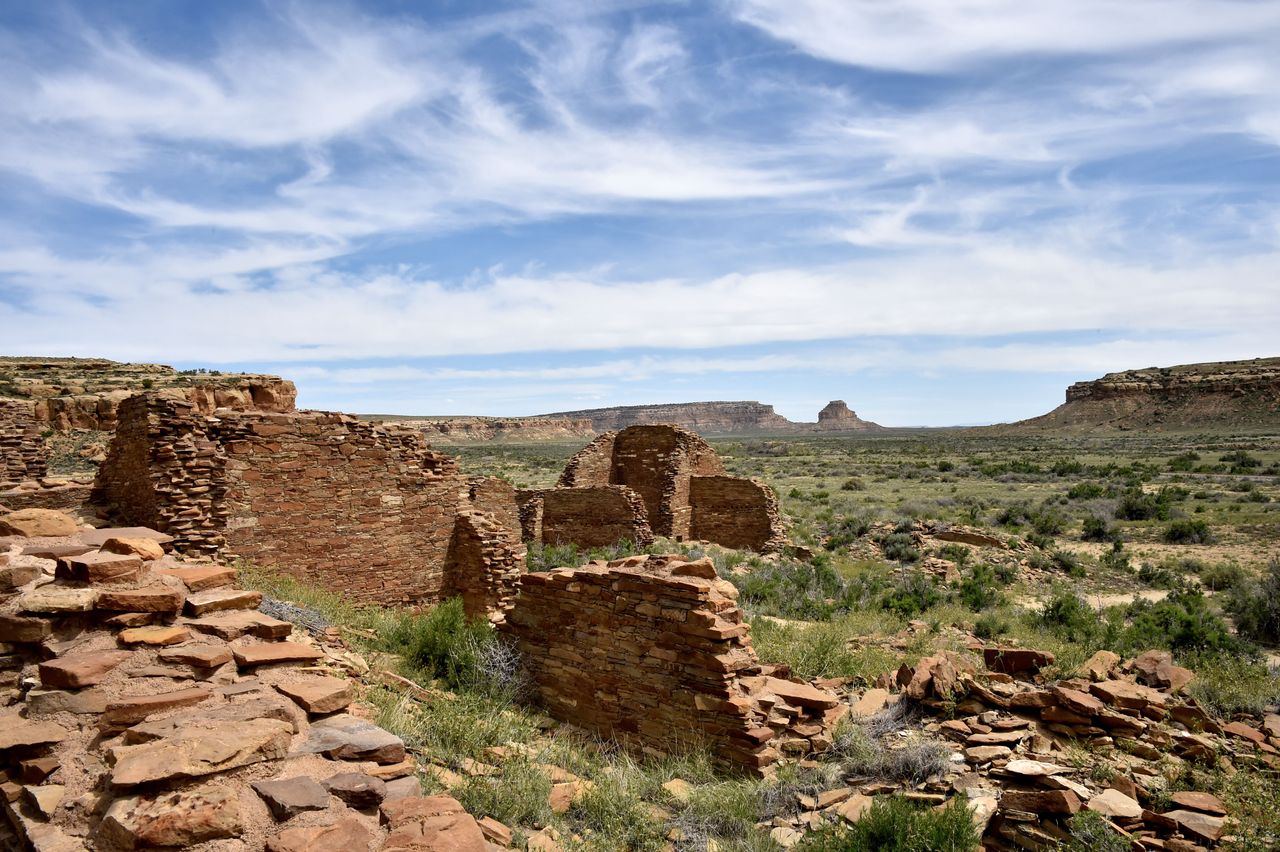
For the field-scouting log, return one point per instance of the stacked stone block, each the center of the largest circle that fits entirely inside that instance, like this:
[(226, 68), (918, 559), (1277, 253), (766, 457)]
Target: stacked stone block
[(653, 652), (23, 453), (589, 516), (734, 512)]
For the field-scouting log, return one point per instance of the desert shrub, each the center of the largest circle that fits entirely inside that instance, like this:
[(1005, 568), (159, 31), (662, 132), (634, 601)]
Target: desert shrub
[(1188, 531), (1048, 522), (914, 592), (1115, 559), (1013, 515), (465, 653), (1086, 491), (1092, 832), (954, 552), (946, 465), (1181, 622), (1096, 528), (842, 532), (545, 557), (853, 483), (1137, 505), (1229, 684), (616, 816), (979, 590), (1067, 467), (517, 795), (1068, 562), (811, 590), (1241, 462), (1184, 462), (899, 547), (1069, 617), (1044, 542), (1006, 572), (1158, 576), (990, 626), (894, 824), (1221, 576), (1254, 605)]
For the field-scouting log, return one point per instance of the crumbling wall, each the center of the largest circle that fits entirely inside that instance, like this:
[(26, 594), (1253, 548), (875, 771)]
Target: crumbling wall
[(589, 516), (350, 505), (23, 452), (590, 465), (738, 513), (653, 652), (483, 565)]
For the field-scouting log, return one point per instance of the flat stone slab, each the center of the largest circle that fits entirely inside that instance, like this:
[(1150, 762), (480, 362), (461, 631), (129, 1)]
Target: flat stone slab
[(800, 694), (288, 797), (357, 790), (1113, 803), (233, 625), (56, 551), (319, 694), (99, 567), (135, 708), (16, 732), (23, 628), (345, 835), (200, 656), (266, 653), (179, 818), (198, 578), (99, 537), (1203, 802), (201, 749), (79, 670), (154, 635), (347, 737), (212, 600), (85, 702), (151, 599), (58, 599), (272, 707)]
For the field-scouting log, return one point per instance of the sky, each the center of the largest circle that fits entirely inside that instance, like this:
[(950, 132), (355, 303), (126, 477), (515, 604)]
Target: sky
[(940, 211)]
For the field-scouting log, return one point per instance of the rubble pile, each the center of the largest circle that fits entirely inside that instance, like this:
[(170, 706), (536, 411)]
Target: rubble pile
[(146, 702)]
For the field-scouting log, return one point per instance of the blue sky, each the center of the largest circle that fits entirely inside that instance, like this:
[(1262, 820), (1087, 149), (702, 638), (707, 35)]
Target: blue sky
[(942, 212)]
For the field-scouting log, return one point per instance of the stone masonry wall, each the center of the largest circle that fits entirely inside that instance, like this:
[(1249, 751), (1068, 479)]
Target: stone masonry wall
[(350, 505), (590, 516), (23, 453), (738, 513), (653, 652)]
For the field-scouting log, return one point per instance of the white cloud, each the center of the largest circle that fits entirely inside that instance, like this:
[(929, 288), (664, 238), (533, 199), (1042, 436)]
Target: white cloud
[(941, 35)]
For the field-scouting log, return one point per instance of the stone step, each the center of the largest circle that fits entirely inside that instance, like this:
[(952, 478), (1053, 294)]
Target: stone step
[(199, 578), (233, 625), (266, 653), (214, 600)]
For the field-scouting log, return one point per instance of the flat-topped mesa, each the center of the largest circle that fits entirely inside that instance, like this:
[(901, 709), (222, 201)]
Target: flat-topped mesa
[(464, 429), (1189, 396), (357, 507), (721, 418), (662, 479), (84, 393), (652, 651)]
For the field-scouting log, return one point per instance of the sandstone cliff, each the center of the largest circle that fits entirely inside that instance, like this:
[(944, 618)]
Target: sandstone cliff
[(83, 393), (721, 418), (1190, 396), (464, 429)]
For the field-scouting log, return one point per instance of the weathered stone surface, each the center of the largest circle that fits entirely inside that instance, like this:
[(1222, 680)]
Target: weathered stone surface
[(1033, 768), (288, 797), (156, 635), (348, 834), (358, 790), (1078, 702), (1062, 802), (267, 653), (1203, 827), (45, 798), (198, 578), (202, 750), (98, 567), (431, 822), (233, 625), (178, 818), (199, 656), (246, 711), (46, 702), (32, 523), (1013, 661), (1101, 665), (78, 670), (135, 708), (319, 694), (350, 738), (1203, 802), (19, 628), (984, 754), (145, 549), (101, 536), (1113, 803), (213, 600), (58, 600), (800, 694), (1122, 693), (13, 576), (16, 732), (853, 808), (162, 599)]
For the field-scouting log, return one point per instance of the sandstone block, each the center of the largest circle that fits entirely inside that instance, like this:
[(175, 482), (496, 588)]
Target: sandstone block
[(288, 797), (1101, 665), (201, 750), (1203, 802), (79, 670), (267, 653), (199, 656), (213, 600), (58, 600), (13, 576), (1113, 803), (33, 523), (233, 625), (99, 537), (98, 567), (157, 635), (358, 790), (199, 578), (16, 732), (1014, 661), (319, 694), (135, 708), (19, 628), (46, 702), (160, 599), (431, 822), (144, 548), (348, 834), (347, 737), (1062, 802), (179, 818)]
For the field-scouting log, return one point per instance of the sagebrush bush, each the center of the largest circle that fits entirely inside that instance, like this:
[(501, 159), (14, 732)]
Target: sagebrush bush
[(1096, 528), (1254, 605), (465, 653), (1137, 505), (1188, 531), (894, 824)]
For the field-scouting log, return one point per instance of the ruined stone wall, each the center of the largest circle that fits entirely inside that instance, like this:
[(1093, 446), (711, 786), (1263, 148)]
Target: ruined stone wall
[(350, 505), (644, 654), (23, 452), (590, 465), (590, 516), (738, 513), (483, 565)]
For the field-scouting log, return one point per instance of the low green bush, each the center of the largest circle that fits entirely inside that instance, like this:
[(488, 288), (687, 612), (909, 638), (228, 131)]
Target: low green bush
[(1254, 605), (1188, 531), (465, 653), (894, 824)]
